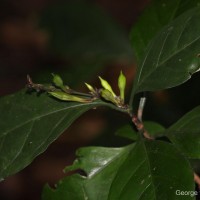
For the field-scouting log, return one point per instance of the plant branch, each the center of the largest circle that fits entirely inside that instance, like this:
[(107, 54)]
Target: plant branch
[(197, 179), (137, 119), (38, 87), (140, 127)]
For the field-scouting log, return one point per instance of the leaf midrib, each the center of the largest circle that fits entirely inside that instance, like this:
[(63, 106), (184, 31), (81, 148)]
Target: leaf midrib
[(50, 113), (149, 166), (166, 59)]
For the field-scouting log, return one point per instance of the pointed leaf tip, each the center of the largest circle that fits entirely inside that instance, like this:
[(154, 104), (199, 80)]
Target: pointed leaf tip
[(106, 86), (122, 85), (91, 89)]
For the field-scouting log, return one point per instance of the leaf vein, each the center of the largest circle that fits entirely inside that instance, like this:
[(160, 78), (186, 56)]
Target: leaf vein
[(49, 113), (20, 150)]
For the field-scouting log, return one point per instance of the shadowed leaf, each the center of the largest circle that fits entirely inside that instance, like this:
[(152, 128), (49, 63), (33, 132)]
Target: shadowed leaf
[(158, 14), (143, 170), (185, 134), (30, 124), (172, 57)]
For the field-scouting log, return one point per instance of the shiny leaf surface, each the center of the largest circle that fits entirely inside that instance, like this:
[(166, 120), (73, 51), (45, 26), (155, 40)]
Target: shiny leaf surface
[(158, 14), (30, 124), (143, 170), (100, 164), (172, 57)]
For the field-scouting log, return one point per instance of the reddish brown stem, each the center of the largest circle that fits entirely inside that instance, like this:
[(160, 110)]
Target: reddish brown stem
[(197, 180), (140, 127)]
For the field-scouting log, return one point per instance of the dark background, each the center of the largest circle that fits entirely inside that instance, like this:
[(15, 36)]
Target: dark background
[(24, 50)]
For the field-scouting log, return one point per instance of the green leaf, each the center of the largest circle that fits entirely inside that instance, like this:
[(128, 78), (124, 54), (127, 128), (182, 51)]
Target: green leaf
[(100, 164), (127, 131), (185, 134), (172, 57), (158, 14), (154, 129), (30, 124), (143, 170), (83, 33)]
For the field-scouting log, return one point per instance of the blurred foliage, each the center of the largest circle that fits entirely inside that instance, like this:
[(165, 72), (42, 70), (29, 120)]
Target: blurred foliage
[(85, 38), (83, 33)]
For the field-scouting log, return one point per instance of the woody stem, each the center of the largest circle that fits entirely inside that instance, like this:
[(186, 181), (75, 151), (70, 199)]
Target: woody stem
[(140, 127)]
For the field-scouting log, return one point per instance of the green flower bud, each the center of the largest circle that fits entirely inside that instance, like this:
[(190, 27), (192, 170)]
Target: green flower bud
[(122, 85), (107, 86), (68, 97), (57, 80), (107, 95), (90, 88)]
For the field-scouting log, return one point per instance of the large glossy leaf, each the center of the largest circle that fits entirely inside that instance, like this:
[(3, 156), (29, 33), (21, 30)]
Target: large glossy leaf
[(83, 33), (29, 123), (100, 164), (172, 57), (158, 14), (185, 134), (143, 170)]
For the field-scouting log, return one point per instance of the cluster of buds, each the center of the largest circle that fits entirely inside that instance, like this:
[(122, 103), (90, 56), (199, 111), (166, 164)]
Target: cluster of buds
[(107, 92), (64, 93)]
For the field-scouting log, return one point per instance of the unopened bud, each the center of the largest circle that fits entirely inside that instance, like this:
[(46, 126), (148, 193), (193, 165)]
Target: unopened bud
[(67, 97), (57, 80), (107, 86), (107, 95), (122, 85), (90, 88)]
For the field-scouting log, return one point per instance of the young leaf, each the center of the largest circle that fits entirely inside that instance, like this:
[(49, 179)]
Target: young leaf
[(143, 170), (171, 58), (185, 134), (29, 124)]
